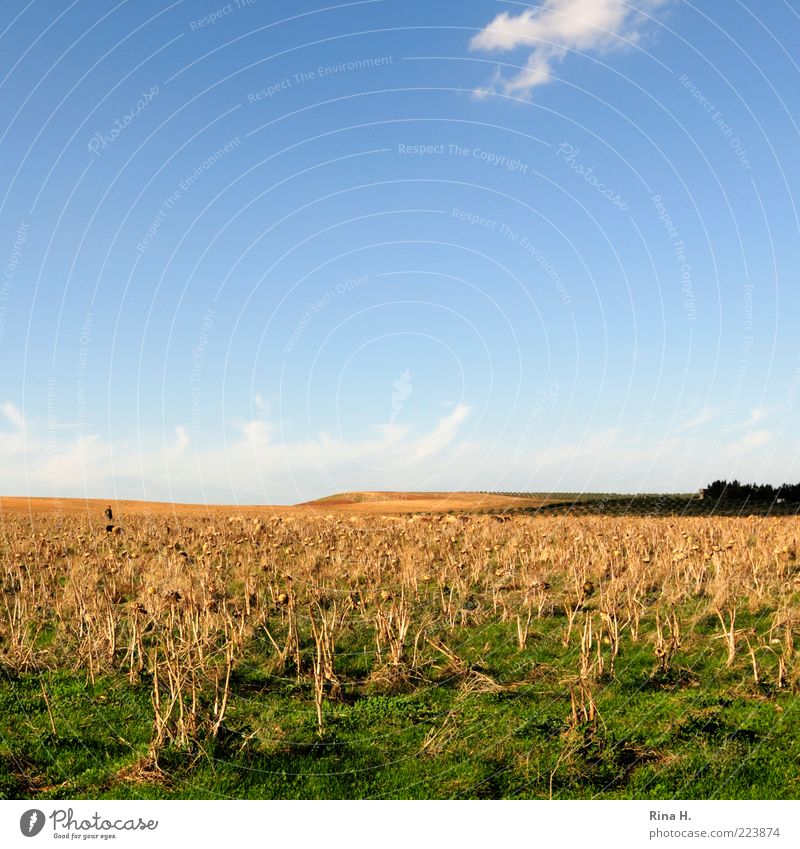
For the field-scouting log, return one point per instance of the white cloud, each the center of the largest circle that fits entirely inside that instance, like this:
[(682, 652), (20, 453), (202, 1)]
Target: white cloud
[(443, 434), (754, 439), (554, 28), (13, 415), (183, 438), (757, 414), (261, 403), (256, 465), (705, 416)]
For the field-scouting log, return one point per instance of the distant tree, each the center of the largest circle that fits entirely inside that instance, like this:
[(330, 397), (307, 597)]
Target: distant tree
[(715, 490), (722, 490)]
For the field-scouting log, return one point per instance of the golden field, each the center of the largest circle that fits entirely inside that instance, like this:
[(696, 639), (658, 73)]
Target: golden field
[(185, 606)]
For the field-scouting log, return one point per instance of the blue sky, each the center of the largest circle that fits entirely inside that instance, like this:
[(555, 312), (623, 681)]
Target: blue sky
[(260, 252)]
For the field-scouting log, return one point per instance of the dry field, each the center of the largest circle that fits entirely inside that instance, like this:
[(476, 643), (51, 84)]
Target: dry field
[(348, 502), (335, 650), (420, 502)]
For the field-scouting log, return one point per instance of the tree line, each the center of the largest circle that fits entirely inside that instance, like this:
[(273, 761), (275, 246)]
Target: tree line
[(722, 490)]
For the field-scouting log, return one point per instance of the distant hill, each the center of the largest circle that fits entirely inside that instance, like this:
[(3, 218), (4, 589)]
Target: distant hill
[(422, 502)]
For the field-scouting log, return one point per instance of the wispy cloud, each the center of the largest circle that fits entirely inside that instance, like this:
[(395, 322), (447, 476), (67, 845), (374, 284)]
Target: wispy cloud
[(556, 27), (256, 464), (13, 415), (757, 414), (705, 416), (751, 441), (442, 435), (261, 404)]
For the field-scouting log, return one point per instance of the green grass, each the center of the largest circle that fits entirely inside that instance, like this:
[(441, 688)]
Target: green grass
[(704, 731)]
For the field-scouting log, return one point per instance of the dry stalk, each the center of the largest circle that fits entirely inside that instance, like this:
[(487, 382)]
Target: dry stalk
[(324, 628), (582, 703), (391, 628), (522, 630), (753, 661), (666, 646), (728, 633)]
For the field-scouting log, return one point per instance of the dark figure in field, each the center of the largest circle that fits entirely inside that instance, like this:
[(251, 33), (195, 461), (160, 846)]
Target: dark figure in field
[(109, 513)]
